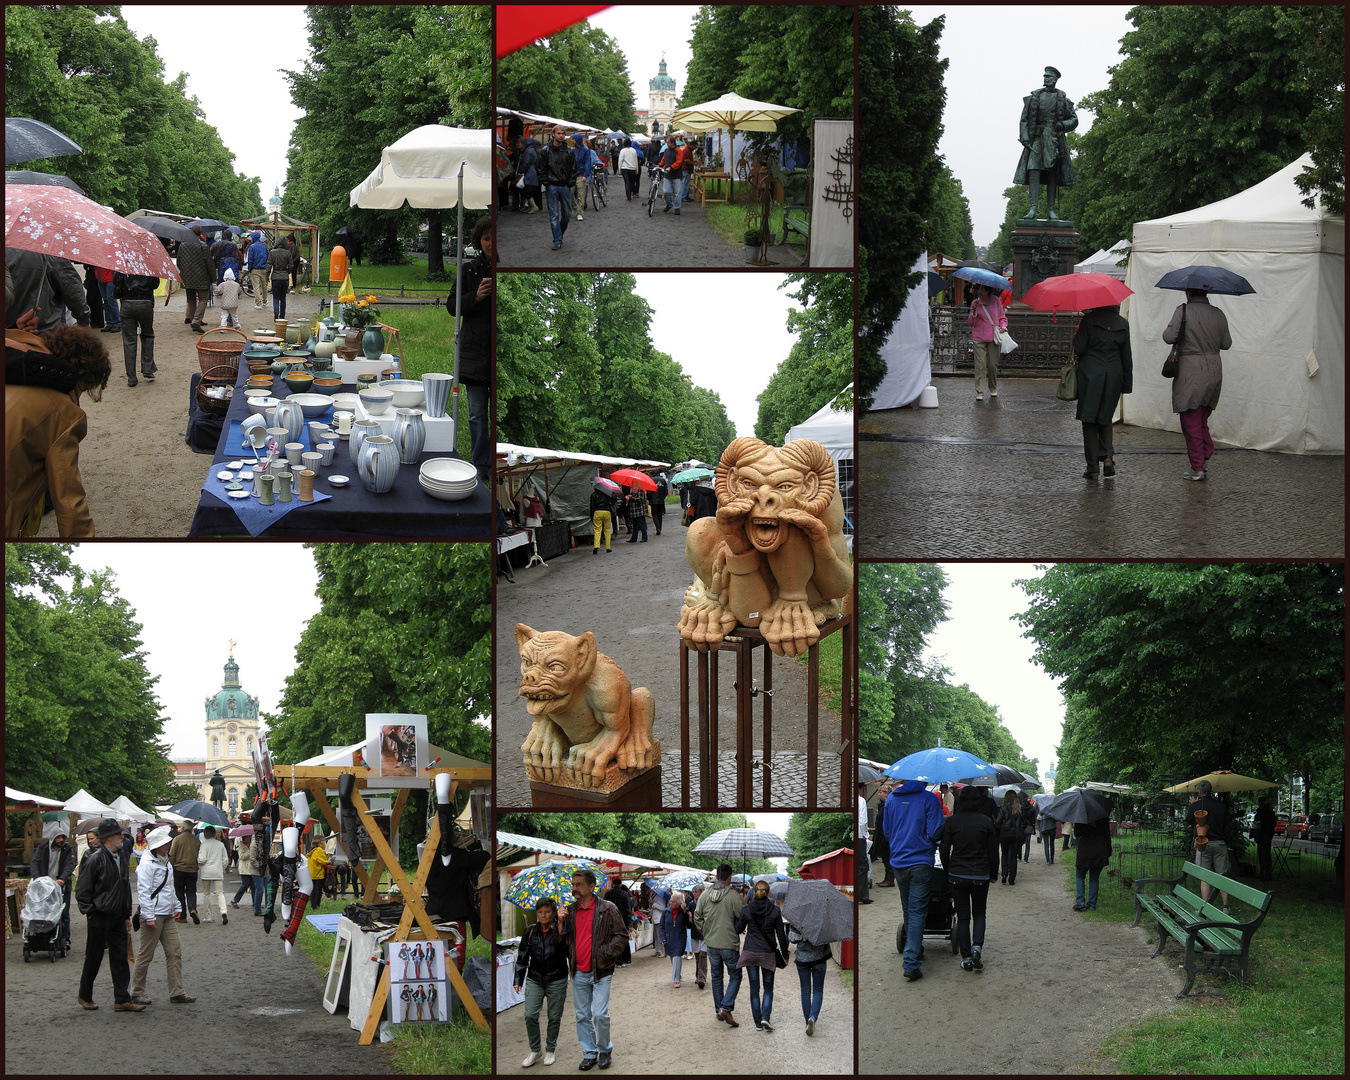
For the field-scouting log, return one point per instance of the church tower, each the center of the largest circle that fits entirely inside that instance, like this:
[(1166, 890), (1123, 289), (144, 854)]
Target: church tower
[(661, 105), (231, 734)]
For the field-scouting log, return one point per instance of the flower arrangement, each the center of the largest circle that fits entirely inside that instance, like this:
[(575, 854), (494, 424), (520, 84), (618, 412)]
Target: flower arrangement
[(359, 313)]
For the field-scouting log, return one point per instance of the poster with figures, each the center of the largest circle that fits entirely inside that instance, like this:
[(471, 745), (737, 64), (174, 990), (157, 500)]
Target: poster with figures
[(418, 1002), (415, 961), (396, 748), (417, 981)]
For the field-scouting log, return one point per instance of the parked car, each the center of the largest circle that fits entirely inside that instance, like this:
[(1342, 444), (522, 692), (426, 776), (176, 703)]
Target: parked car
[(1330, 829), (1296, 826), (1281, 823)]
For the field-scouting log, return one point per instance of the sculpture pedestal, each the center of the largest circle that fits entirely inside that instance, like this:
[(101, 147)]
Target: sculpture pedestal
[(1041, 251), (639, 792), (1045, 341)]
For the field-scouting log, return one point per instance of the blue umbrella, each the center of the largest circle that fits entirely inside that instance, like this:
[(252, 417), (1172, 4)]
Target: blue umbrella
[(940, 765), (982, 277), (684, 880), (549, 879), (1210, 279), (207, 224)]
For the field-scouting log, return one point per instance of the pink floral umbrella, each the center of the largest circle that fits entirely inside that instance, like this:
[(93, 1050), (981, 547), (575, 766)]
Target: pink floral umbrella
[(57, 221)]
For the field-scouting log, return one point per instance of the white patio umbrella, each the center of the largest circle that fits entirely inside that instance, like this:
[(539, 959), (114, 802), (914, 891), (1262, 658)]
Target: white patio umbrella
[(733, 112), (434, 167)]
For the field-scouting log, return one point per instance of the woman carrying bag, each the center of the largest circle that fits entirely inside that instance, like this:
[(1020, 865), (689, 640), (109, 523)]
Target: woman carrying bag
[(764, 950), (987, 321), (541, 970)]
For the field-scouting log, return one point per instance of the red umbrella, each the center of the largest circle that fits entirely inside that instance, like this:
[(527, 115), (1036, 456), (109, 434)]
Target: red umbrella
[(242, 830), (57, 221), (519, 25), (633, 478), (1076, 292)]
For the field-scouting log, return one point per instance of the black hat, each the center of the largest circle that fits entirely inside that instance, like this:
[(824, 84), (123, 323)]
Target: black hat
[(108, 827)]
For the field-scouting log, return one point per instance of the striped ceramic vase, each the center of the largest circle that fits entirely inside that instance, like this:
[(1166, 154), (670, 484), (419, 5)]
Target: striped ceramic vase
[(377, 463), (291, 417), (410, 435)]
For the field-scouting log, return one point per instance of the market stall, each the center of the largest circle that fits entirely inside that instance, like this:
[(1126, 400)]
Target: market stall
[(277, 225)]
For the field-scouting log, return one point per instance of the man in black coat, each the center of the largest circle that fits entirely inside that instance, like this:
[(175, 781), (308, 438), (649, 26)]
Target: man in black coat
[(56, 859), (104, 896), (1214, 854), (476, 287), (1264, 829), (557, 171)]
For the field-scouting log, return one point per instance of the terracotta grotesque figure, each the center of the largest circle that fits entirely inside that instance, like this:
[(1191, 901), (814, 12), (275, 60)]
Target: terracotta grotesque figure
[(774, 557), (591, 727)]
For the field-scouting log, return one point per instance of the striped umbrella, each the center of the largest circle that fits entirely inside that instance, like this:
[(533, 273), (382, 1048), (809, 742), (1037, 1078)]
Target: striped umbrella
[(552, 879), (684, 880)]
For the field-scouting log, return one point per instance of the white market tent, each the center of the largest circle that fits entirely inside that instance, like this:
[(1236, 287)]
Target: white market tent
[(548, 121), (86, 805), (423, 167), (1284, 378), (561, 477), (129, 811), (1105, 261), (21, 800), (906, 352), (833, 429)]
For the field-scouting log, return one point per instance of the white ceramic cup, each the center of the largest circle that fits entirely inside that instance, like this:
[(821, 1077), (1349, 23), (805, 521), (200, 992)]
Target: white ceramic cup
[(344, 422), (293, 452), (326, 450), (311, 459)]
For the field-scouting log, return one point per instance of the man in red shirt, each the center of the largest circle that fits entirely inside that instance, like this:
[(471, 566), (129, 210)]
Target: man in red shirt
[(596, 937)]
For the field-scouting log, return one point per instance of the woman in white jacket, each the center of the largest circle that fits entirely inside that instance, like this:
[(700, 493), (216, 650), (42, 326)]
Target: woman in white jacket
[(158, 907), (211, 861)]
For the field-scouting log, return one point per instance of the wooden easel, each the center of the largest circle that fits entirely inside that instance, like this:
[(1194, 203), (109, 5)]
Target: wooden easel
[(314, 779)]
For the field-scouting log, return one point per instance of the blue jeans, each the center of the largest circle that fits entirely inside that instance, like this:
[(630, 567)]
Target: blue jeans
[(913, 883), (676, 966), (252, 883), (480, 428), (684, 188), (1048, 839), (812, 978), (559, 211), (670, 187), (634, 524), (112, 316), (1026, 849), (65, 916), (717, 957), (590, 1002), (760, 1008), (1093, 874)]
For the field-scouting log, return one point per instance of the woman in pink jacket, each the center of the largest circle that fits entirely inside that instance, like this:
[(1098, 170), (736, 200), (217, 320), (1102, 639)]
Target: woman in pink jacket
[(986, 317)]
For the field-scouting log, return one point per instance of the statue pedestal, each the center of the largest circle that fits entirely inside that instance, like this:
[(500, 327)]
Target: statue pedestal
[(639, 791), (1045, 341), (1041, 250)]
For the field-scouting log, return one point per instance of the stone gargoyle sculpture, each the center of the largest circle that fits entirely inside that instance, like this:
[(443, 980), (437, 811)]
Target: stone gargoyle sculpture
[(774, 557), (592, 729)]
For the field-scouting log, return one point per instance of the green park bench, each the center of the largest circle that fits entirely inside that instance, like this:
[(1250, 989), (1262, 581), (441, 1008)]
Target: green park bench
[(796, 213), (1212, 941), (795, 220)]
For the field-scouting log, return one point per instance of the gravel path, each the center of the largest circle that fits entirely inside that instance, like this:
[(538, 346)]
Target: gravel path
[(621, 234), (630, 599), (252, 1001), (1094, 977), (653, 1025)]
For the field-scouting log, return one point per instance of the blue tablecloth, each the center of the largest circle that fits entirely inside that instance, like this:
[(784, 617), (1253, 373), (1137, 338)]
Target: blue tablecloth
[(325, 924), (352, 512), (252, 514)]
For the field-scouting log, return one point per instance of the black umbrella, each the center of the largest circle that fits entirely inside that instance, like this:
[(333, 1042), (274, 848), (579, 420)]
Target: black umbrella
[(1210, 279), (819, 911), (1078, 805), (168, 229), (980, 263), (936, 283), (869, 775), (26, 176), (348, 231), (1001, 774), (208, 224), (197, 810), (31, 140)]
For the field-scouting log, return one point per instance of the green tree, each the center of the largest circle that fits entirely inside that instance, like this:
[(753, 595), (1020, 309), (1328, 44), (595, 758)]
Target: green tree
[(810, 835), (177, 793), (80, 706), (1323, 59), (1185, 668), (949, 226), (578, 74), (374, 74), (1206, 102), (900, 74), (400, 628)]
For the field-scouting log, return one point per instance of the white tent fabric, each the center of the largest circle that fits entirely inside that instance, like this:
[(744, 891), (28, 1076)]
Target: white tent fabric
[(1105, 260), (1284, 378), (14, 795), (539, 453), (906, 352), (831, 243), (85, 804), (422, 168), (128, 810), (831, 427), (538, 118)]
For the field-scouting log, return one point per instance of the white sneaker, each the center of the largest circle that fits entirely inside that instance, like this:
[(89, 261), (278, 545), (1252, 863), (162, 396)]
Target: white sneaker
[(993, 393), (534, 1056), (579, 217), (548, 1057), (979, 396)]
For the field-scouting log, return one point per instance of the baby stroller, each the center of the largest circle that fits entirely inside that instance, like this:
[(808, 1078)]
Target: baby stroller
[(941, 921), (41, 918)]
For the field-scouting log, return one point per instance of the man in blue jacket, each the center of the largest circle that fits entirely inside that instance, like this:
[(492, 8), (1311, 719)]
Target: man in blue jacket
[(912, 820), (257, 269)]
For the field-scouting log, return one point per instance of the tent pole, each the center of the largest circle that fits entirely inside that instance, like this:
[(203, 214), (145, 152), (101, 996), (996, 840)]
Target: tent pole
[(459, 267)]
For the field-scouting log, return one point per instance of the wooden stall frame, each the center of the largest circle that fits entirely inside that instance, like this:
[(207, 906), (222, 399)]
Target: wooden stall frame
[(315, 779)]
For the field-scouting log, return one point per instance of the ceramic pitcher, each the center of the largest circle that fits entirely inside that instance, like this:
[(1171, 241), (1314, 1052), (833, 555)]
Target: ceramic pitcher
[(377, 463), (290, 416), (410, 435), (361, 429)]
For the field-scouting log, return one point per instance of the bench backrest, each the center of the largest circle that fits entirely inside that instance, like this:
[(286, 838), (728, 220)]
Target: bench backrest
[(1237, 890)]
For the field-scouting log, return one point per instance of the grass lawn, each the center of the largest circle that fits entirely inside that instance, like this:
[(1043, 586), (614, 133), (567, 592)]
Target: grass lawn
[(459, 1047), (368, 278), (728, 222), (1290, 1019)]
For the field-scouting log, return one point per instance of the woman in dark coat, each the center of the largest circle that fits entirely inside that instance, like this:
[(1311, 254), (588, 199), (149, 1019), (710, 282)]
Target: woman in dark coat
[(969, 848), (1105, 371), (765, 938), (1009, 822), (1195, 390), (541, 973), (674, 928), (1093, 844)]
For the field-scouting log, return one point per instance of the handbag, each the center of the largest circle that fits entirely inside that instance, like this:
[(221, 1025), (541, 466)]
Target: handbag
[(1068, 381), (1173, 361), (1006, 344)]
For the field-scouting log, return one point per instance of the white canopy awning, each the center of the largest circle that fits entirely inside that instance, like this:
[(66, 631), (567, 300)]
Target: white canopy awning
[(127, 809), (84, 803), (527, 454), (422, 168), (536, 118), (14, 795)]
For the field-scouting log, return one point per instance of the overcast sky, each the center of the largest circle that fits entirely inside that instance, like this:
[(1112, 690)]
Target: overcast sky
[(727, 331), (984, 647), (997, 56), (243, 97), (642, 33)]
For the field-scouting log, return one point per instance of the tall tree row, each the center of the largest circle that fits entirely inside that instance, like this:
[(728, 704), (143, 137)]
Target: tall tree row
[(80, 704), (577, 369), (146, 142), (578, 74), (374, 74)]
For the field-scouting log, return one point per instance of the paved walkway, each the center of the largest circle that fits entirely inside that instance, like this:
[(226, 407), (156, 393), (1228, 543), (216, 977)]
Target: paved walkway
[(622, 235), (1002, 479), (250, 997)]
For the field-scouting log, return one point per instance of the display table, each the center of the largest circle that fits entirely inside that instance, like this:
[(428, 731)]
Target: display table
[(700, 185), (353, 512), (506, 973)]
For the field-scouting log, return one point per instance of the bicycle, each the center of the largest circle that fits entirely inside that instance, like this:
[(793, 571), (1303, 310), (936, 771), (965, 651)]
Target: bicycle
[(598, 185), (656, 174)]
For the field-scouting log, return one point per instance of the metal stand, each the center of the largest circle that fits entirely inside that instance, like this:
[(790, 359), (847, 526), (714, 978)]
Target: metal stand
[(743, 641)]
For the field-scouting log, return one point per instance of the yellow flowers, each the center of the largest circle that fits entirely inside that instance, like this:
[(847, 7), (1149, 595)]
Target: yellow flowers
[(362, 303), (347, 298), (372, 299)]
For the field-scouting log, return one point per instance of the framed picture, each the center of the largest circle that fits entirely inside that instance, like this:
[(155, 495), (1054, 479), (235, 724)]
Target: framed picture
[(397, 749)]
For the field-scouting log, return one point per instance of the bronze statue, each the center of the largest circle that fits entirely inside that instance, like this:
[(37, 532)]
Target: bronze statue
[(217, 788), (1047, 114)]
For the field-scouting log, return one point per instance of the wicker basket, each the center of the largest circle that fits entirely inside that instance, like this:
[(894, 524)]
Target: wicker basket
[(222, 375), (219, 352)]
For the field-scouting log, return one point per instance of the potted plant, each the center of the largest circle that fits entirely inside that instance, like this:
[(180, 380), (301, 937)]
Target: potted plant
[(751, 245), (363, 315)]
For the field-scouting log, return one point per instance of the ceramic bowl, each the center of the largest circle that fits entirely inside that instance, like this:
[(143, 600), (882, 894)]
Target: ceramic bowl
[(256, 393), (299, 381), (265, 406), (326, 386), (448, 471), (408, 394), (376, 400), (312, 405), (367, 379), (259, 379), (347, 402)]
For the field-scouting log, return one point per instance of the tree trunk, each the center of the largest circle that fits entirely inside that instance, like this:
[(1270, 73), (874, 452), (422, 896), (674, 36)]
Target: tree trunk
[(1307, 794), (435, 259)]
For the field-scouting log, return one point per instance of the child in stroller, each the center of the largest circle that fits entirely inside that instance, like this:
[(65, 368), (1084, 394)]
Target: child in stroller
[(41, 918)]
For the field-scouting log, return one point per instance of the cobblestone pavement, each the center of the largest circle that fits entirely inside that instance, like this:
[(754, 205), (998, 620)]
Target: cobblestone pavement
[(630, 599), (1002, 479), (622, 235)]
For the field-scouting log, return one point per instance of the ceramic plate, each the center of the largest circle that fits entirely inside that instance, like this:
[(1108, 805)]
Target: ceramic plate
[(246, 474), (235, 465), (242, 493), (338, 480), (224, 474)]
